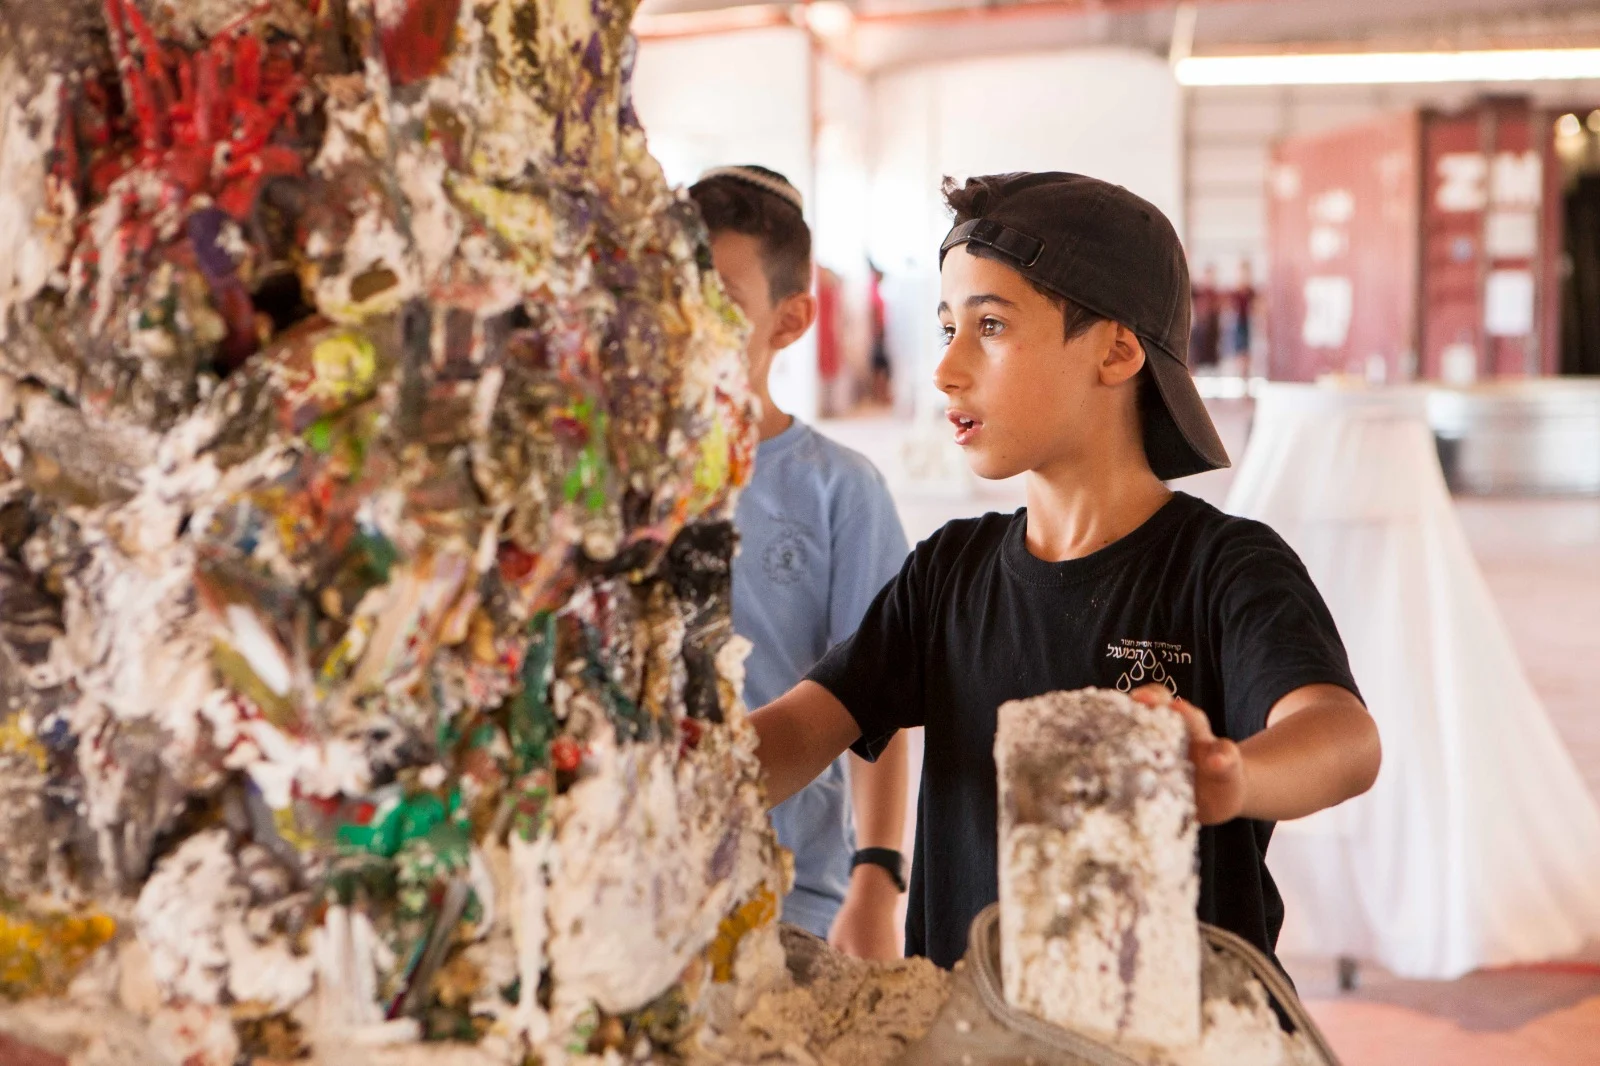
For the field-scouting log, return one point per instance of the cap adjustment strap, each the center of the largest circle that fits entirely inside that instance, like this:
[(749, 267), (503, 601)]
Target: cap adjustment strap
[(1011, 243)]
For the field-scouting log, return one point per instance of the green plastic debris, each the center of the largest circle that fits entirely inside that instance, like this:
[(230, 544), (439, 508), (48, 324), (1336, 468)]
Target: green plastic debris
[(586, 480), (530, 805), (377, 554), (319, 436), (531, 722), (628, 717), (395, 824)]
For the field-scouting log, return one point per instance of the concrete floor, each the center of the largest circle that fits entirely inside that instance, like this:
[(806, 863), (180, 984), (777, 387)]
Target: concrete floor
[(1542, 560)]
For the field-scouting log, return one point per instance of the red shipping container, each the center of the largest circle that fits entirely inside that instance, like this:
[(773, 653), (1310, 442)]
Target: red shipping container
[(1343, 222), (1491, 230), (1417, 245)]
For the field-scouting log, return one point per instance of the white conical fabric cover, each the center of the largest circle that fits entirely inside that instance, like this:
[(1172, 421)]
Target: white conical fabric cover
[(1479, 845)]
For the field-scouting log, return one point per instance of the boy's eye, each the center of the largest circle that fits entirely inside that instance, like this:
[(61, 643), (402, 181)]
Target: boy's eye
[(988, 327)]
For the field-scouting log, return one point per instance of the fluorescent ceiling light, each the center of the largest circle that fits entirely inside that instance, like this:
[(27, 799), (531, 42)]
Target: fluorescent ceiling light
[(829, 18), (1375, 68)]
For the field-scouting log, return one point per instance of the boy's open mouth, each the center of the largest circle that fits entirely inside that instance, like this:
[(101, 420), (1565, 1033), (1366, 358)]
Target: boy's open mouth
[(966, 426)]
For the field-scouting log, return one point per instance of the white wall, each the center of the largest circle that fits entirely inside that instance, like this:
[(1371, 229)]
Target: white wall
[(736, 98), (841, 220), (728, 98), (883, 146), (1108, 112), (843, 181)]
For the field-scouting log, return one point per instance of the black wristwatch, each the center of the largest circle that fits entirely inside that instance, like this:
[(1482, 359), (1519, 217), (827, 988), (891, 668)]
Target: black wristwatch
[(888, 859)]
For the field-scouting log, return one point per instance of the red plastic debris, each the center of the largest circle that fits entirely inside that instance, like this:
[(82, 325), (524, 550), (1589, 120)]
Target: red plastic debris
[(415, 45), (516, 564), (569, 430), (565, 755), (327, 806), (203, 121), (691, 731)]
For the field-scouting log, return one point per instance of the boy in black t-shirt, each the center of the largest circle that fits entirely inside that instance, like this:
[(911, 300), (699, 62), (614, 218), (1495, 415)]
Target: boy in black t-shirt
[(1066, 321)]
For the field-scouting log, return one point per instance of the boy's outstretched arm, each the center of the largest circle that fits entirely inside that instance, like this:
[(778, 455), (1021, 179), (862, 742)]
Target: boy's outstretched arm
[(866, 925), (801, 732), (1319, 749)]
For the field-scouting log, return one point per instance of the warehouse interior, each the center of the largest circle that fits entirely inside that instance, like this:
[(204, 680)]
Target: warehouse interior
[(577, 533), (1405, 226)]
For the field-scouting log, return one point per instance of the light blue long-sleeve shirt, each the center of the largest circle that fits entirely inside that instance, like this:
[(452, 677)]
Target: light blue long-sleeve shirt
[(819, 536)]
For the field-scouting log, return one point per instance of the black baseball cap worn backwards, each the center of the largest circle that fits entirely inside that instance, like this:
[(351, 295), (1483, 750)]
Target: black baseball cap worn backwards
[(1117, 255)]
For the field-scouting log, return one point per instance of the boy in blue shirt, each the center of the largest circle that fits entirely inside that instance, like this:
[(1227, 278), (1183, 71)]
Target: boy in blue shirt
[(819, 537), (1065, 311)]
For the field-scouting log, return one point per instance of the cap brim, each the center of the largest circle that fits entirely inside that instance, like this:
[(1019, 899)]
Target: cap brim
[(1184, 442)]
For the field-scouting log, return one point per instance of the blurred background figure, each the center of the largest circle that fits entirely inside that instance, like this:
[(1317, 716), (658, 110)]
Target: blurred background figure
[(1205, 329), (1240, 325), (835, 384), (882, 369)]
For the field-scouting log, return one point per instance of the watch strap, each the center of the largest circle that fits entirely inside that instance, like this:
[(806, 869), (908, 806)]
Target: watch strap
[(888, 859)]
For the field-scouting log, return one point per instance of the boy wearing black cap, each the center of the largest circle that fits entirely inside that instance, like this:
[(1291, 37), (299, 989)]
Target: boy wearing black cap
[(1065, 313)]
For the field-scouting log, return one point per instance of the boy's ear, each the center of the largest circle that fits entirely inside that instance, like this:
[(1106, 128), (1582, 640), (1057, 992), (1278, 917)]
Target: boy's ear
[(1124, 356), (794, 315)]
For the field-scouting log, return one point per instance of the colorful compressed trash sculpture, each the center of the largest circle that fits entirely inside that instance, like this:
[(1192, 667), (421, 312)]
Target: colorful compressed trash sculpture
[(370, 422)]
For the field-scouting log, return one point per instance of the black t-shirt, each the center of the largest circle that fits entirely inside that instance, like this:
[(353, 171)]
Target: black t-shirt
[(1219, 609)]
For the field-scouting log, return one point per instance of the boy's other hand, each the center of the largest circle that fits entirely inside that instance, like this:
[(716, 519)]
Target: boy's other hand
[(865, 926), (1219, 781)]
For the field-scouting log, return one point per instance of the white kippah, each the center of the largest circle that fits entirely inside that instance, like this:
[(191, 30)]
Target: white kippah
[(750, 176)]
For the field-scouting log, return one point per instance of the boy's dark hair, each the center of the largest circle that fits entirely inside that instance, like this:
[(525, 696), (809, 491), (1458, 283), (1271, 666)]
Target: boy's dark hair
[(966, 202), (734, 204)]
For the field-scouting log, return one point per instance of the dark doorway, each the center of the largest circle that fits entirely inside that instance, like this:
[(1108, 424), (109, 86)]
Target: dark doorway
[(1580, 286)]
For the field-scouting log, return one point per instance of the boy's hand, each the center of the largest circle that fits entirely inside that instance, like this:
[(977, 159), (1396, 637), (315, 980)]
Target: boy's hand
[(865, 926), (1219, 780)]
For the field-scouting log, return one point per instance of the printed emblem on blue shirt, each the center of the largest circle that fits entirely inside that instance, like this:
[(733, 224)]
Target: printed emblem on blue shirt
[(784, 558)]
